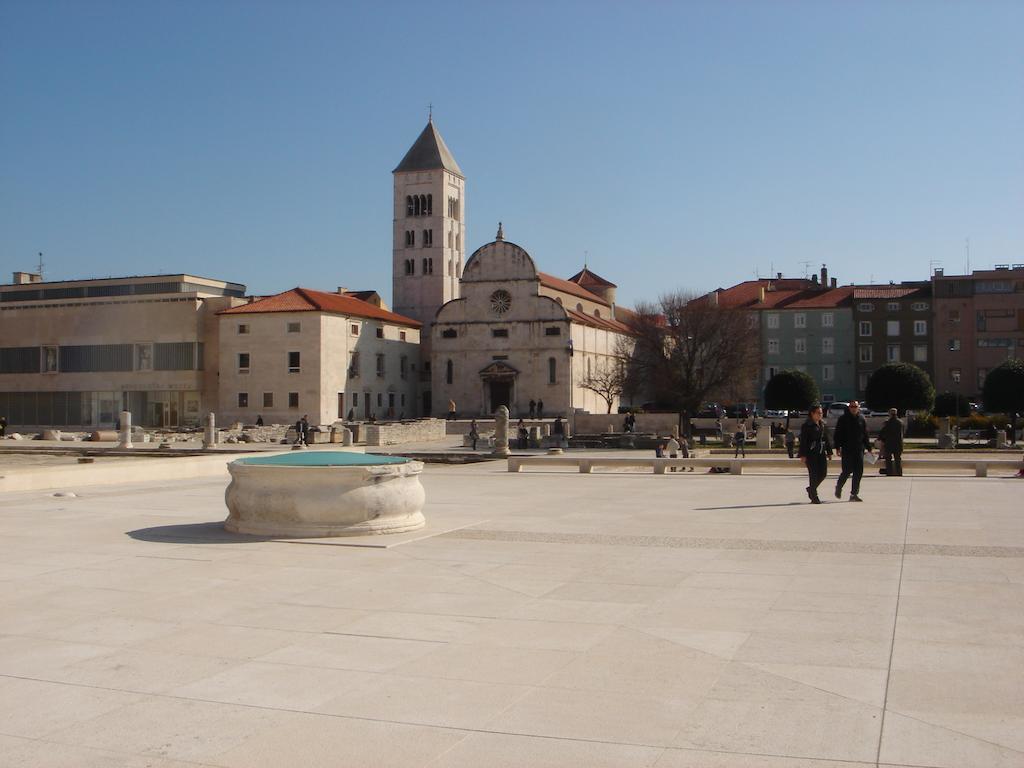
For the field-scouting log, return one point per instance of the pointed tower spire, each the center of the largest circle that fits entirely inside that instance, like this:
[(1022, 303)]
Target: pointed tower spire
[(501, 232), (429, 153)]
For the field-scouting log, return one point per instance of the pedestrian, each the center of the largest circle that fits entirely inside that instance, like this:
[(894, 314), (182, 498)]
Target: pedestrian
[(474, 433), (298, 432), (3, 426), (632, 421), (259, 420), (815, 451), (684, 450), (891, 436), (451, 410), (533, 407), (540, 409), (558, 430), (740, 440), (851, 441), (790, 440), (524, 435), (659, 450), (305, 429), (672, 446), (1010, 434)]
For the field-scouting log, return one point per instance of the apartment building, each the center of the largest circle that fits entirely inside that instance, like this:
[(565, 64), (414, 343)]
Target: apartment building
[(979, 323), (893, 324)]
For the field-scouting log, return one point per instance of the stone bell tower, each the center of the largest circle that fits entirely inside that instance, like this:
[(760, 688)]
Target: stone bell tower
[(429, 228)]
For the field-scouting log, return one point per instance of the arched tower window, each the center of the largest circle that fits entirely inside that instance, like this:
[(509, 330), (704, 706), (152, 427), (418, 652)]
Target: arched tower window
[(408, 205), (423, 205), (597, 313), (579, 308), (430, 205), (449, 372), (552, 370), (416, 205)]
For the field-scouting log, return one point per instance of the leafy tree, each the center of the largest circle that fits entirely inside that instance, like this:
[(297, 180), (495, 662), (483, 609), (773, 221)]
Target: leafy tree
[(902, 386), (790, 390), (951, 404), (1003, 390), (686, 348)]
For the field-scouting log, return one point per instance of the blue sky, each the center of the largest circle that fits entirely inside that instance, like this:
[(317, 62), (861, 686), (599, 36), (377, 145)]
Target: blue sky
[(681, 145)]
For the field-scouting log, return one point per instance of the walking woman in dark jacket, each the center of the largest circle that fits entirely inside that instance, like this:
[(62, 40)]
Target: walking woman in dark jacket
[(815, 451)]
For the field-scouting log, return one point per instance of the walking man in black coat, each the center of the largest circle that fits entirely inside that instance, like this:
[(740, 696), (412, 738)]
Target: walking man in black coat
[(815, 451), (891, 436), (851, 441)]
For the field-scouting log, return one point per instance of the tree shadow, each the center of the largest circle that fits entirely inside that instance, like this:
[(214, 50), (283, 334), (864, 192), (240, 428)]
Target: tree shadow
[(193, 533)]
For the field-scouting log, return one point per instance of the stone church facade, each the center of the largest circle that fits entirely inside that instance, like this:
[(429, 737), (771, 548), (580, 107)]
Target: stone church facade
[(496, 331)]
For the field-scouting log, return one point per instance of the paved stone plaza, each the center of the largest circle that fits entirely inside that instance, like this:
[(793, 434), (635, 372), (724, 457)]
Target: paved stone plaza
[(546, 619)]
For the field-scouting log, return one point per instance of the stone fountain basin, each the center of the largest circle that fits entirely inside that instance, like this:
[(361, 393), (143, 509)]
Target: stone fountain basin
[(324, 493)]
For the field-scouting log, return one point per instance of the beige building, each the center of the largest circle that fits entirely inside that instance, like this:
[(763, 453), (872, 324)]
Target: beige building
[(325, 355), (517, 334), (75, 353)]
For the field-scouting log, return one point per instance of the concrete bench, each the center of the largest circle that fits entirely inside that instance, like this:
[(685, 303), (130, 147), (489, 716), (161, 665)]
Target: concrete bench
[(587, 464)]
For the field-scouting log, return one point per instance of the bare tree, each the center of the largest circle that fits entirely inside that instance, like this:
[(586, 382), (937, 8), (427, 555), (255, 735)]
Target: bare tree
[(687, 349), (607, 379)]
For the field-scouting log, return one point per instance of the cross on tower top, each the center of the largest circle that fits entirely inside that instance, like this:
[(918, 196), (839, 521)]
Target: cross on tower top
[(430, 112)]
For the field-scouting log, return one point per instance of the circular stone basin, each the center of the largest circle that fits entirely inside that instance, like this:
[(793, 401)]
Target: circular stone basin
[(324, 493)]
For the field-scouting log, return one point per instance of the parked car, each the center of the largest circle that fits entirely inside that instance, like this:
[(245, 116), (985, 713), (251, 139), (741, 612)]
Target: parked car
[(707, 418), (772, 414)]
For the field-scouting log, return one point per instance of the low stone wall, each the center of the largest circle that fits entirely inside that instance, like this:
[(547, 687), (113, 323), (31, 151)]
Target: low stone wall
[(461, 426), (598, 423), (399, 432)]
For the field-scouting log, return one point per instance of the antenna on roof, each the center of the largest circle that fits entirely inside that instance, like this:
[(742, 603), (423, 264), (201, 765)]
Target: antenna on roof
[(586, 255), (430, 112), (968, 247), (807, 267), (40, 267)]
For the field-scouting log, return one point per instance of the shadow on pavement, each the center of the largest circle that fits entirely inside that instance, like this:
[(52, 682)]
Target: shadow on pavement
[(752, 506), (193, 533)]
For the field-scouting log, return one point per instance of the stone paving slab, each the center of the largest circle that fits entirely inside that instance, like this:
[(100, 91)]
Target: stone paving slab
[(541, 620)]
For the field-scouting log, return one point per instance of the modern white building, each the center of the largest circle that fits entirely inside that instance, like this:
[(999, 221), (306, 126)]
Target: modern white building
[(75, 353)]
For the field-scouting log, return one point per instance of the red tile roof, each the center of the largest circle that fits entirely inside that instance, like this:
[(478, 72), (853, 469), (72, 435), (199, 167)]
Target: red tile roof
[(749, 293), (308, 300), (558, 284), (834, 297), (587, 278), (597, 322), (889, 291)]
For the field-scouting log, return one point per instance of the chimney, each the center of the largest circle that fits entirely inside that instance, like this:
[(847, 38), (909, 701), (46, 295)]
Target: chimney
[(778, 275), (761, 299), (834, 282), (824, 276), (714, 298), (342, 290), (814, 279), (939, 271)]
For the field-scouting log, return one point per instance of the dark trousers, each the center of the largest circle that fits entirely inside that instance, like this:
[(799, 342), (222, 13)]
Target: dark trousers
[(853, 465), (894, 465), (740, 448), (789, 449), (817, 471)]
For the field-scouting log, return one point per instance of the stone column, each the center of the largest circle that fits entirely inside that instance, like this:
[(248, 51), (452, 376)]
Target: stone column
[(125, 435), (535, 437), (764, 436), (501, 433), (210, 431), (346, 436)]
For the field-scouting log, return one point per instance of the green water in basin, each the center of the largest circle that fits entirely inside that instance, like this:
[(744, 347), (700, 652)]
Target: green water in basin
[(323, 459)]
